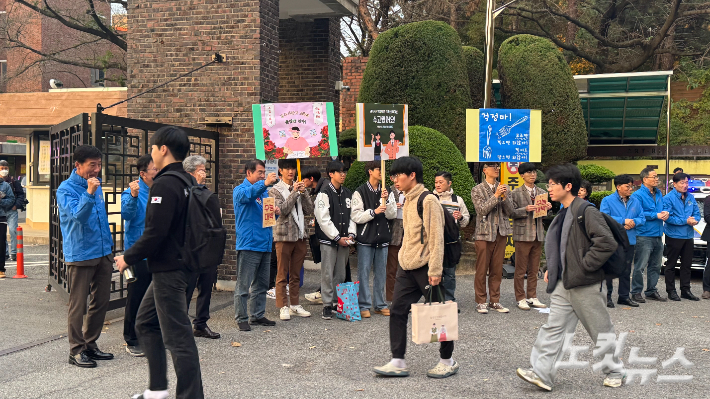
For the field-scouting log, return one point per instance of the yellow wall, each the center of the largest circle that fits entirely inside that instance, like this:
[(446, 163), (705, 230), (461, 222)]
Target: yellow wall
[(634, 167)]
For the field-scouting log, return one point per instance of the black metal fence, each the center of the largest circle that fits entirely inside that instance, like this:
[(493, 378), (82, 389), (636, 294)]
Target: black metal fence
[(122, 141)]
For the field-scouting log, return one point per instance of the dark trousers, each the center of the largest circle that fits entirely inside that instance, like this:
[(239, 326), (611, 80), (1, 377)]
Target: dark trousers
[(3, 240), (273, 267), (136, 292), (392, 266), (92, 278), (409, 287), (682, 248), (162, 323), (624, 279), (204, 283), (706, 273)]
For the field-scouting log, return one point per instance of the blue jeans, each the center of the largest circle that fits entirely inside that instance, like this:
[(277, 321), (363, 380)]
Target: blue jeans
[(648, 256), (448, 281), (367, 257), (12, 228), (252, 284)]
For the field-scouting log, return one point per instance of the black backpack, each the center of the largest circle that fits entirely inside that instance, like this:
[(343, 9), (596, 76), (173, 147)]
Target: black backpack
[(615, 265), (205, 238), (452, 233)]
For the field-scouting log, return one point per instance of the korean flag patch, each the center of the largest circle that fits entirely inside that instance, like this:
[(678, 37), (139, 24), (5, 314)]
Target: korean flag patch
[(156, 200)]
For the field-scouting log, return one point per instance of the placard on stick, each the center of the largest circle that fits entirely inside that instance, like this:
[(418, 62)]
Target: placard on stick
[(269, 219), (540, 206), (382, 131)]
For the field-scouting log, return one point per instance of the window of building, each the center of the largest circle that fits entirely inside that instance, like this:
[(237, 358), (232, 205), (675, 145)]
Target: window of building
[(97, 78)]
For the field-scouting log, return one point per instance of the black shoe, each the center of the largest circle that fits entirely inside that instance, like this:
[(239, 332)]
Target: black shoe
[(656, 297), (673, 296), (96, 354), (82, 360), (205, 333), (688, 295), (13, 258), (327, 313), (244, 326), (638, 298), (627, 302), (610, 303), (135, 350), (263, 322)]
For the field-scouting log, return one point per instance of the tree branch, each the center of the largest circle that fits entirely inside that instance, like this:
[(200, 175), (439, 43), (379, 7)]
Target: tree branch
[(111, 34), (366, 17)]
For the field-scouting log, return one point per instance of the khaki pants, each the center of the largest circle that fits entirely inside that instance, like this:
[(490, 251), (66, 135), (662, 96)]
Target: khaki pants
[(527, 260), (392, 264), (86, 278), (489, 259), (290, 257)]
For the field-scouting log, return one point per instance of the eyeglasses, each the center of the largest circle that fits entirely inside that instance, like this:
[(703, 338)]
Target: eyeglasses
[(342, 172), (494, 166), (651, 177), (398, 175), (548, 186)]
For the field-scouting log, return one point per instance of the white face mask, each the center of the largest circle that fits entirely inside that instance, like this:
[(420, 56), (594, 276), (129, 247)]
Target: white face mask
[(4, 173)]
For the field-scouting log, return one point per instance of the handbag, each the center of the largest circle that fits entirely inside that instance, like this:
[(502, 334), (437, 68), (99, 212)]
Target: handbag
[(435, 321), (348, 306)]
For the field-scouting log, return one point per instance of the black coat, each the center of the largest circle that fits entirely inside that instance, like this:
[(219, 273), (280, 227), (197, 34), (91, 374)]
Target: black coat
[(706, 215)]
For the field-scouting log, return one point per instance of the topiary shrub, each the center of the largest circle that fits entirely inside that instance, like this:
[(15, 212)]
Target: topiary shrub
[(596, 174), (597, 196), (347, 143), (475, 66), (437, 153), (534, 75), (421, 64)]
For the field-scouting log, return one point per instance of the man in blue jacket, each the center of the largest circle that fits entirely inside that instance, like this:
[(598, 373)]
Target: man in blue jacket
[(627, 211), (684, 214), (254, 244), (133, 204), (88, 253), (649, 238), (7, 202)]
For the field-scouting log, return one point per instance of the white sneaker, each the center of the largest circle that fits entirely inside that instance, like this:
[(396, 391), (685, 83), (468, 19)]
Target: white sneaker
[(314, 297), (297, 310), (523, 304), (285, 314), (536, 304), (271, 294)]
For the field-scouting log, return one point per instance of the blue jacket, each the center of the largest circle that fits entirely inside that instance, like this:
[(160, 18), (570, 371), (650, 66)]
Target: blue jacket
[(680, 210), (248, 217), (83, 221), (8, 201), (652, 206), (133, 212), (615, 207)]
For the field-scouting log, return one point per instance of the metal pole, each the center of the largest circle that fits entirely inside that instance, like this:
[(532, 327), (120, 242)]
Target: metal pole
[(668, 133), (488, 87)]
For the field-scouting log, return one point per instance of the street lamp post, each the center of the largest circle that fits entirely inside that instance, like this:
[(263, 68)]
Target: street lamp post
[(491, 14)]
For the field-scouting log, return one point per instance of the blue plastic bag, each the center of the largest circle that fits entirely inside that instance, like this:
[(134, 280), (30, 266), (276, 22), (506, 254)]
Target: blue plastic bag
[(348, 306)]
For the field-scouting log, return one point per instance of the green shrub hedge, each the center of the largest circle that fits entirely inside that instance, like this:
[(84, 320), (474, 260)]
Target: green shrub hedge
[(475, 66), (596, 174), (597, 196), (534, 75), (437, 153), (421, 64)]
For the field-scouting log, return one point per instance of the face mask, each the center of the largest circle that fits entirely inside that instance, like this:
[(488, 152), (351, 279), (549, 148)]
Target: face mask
[(4, 173)]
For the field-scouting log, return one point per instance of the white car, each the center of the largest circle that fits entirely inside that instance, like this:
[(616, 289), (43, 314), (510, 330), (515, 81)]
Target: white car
[(700, 246)]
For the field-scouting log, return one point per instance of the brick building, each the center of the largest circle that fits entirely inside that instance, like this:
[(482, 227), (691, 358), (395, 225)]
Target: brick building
[(353, 68), (277, 51)]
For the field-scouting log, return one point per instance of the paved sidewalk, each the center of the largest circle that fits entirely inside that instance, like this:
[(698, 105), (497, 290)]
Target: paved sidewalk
[(315, 358)]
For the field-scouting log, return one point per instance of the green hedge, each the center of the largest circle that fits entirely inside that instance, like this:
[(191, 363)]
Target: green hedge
[(596, 174), (421, 64), (437, 153), (347, 143), (475, 66), (597, 196), (534, 75)]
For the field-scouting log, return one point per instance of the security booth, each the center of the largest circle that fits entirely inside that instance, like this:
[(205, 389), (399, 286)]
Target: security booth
[(121, 141)]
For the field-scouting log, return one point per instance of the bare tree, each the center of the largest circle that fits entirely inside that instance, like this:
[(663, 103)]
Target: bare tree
[(88, 40)]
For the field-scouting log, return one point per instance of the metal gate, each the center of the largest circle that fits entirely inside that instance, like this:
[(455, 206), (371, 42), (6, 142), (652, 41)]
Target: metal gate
[(122, 141)]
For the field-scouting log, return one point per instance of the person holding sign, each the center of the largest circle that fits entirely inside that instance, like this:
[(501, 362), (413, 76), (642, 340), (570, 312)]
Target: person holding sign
[(528, 236), (493, 208), (454, 204), (253, 245), (335, 231), (373, 238), (291, 238)]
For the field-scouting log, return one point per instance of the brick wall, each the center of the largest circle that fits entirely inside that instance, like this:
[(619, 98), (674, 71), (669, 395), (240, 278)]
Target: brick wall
[(169, 38), (353, 68)]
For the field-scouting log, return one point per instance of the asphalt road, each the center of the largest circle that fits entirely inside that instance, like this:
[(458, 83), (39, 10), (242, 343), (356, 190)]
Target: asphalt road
[(315, 358)]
